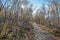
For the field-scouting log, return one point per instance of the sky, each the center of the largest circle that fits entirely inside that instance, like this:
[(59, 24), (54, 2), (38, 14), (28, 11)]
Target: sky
[(39, 3), (36, 3)]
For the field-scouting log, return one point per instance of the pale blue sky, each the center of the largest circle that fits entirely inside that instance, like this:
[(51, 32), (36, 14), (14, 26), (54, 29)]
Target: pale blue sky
[(34, 2), (38, 2)]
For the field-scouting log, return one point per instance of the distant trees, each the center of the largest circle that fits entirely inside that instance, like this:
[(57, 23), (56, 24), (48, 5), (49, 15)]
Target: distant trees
[(49, 13), (54, 11), (40, 15)]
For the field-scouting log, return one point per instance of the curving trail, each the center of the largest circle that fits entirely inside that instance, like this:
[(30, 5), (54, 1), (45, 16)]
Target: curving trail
[(42, 35)]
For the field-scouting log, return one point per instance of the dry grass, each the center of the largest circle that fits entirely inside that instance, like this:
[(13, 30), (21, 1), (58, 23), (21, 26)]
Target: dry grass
[(53, 31)]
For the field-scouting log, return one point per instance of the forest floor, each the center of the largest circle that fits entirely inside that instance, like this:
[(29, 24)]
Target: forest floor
[(41, 34)]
